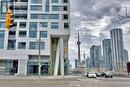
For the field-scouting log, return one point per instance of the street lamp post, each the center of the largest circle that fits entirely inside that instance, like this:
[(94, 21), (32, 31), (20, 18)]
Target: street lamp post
[(39, 56)]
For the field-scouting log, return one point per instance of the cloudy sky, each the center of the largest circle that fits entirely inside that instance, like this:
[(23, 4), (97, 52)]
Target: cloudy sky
[(95, 19)]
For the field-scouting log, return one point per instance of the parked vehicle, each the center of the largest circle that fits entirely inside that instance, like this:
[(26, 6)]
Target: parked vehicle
[(107, 75), (98, 74), (86, 74), (92, 75)]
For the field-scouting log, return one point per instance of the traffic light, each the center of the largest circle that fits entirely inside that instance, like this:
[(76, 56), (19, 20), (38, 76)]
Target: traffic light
[(9, 19)]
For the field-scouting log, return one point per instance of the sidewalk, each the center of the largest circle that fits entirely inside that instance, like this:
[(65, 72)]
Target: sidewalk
[(122, 75), (41, 77)]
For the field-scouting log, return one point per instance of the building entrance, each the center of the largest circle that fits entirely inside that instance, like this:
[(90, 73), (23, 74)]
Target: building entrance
[(33, 68)]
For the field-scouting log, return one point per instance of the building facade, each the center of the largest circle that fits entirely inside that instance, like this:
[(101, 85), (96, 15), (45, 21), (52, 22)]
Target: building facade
[(107, 55), (42, 28), (126, 60), (117, 47), (95, 56)]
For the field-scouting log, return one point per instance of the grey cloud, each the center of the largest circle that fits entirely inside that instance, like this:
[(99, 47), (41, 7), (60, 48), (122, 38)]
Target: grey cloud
[(91, 16)]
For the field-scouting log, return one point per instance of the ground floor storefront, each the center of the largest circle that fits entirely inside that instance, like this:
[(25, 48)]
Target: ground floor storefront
[(23, 67), (8, 67), (33, 68)]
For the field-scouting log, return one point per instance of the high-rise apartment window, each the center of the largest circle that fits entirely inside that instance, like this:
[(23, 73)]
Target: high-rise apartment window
[(33, 26), (36, 1), (12, 34), (2, 39), (47, 6), (36, 8), (11, 44), (2, 24), (54, 16), (65, 1), (66, 25), (43, 34), (44, 16), (32, 34), (56, 8), (34, 16), (65, 16), (65, 8), (54, 25), (22, 33), (43, 24), (21, 45), (34, 45), (22, 24), (20, 16), (54, 1)]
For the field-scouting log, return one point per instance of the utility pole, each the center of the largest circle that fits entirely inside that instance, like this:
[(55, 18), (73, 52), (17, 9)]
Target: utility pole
[(78, 43)]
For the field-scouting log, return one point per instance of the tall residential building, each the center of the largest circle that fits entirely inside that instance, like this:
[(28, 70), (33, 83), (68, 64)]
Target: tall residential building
[(117, 47), (107, 55), (39, 23), (95, 56), (88, 62), (126, 57)]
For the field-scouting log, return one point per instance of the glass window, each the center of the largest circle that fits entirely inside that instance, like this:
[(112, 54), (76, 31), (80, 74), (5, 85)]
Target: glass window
[(65, 8), (34, 16), (2, 24), (2, 39), (66, 25), (32, 34), (42, 45), (12, 34), (44, 16), (54, 25), (56, 8), (43, 34), (54, 1), (36, 1), (20, 16), (54, 16), (2, 16), (21, 45), (36, 8), (22, 24), (22, 33), (11, 44), (34, 45), (65, 16), (43, 24), (47, 6), (33, 26), (65, 1)]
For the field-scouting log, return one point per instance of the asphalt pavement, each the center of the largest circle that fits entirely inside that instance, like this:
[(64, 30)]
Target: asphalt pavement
[(61, 81)]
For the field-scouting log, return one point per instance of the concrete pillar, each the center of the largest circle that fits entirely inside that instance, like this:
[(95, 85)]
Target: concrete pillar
[(56, 66), (22, 67), (61, 55)]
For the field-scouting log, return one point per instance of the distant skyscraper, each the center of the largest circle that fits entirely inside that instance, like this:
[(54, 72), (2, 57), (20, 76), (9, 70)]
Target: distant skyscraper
[(126, 56), (117, 49), (76, 63), (88, 62), (107, 55), (95, 56)]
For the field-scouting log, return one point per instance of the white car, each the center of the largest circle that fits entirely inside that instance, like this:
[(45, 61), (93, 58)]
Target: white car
[(92, 75)]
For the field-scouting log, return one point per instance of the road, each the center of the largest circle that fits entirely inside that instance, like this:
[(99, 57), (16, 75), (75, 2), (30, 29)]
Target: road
[(65, 82)]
